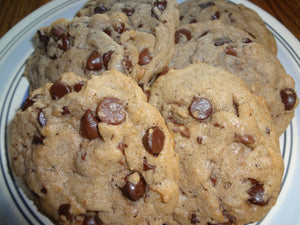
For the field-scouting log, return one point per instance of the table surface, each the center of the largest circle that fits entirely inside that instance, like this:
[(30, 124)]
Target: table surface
[(286, 11)]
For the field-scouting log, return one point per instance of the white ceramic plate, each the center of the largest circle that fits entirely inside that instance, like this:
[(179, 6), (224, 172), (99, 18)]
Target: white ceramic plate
[(16, 46)]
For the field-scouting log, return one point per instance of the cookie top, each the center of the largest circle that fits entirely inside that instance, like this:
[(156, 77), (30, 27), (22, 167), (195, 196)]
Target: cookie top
[(229, 47), (231, 166), (234, 14), (159, 18), (96, 151)]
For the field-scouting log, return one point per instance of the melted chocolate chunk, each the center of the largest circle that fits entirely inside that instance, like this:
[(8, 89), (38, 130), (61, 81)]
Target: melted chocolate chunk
[(288, 98), (134, 191), (59, 90), (28, 102), (180, 33), (153, 140), (128, 64), (64, 210), (111, 111), (100, 9), (43, 38), (206, 5), (94, 61), (194, 219), (147, 166), (257, 193), (222, 41), (144, 57), (41, 118), (38, 139), (245, 139), (78, 86), (65, 42), (91, 220), (106, 57), (89, 125), (200, 108), (229, 50), (128, 11), (216, 16), (160, 4)]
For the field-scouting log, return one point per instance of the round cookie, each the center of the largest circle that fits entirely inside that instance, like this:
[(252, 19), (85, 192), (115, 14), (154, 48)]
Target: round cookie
[(230, 162), (234, 14), (228, 47), (95, 152), (155, 18)]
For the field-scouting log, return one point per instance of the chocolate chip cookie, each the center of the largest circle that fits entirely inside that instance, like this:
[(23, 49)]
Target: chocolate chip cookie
[(157, 19), (231, 166), (229, 47), (95, 152), (238, 15)]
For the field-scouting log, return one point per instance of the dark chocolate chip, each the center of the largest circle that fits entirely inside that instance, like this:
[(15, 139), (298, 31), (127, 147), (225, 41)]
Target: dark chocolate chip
[(106, 57), (111, 111), (153, 140), (200, 108), (134, 191), (153, 14), (107, 31), (245, 139), (59, 89), (100, 9), (94, 61), (43, 38), (206, 4), (199, 140), (28, 102), (58, 31), (147, 166), (160, 4), (41, 118), (246, 40), (180, 33), (78, 86), (257, 193), (288, 98), (216, 15), (64, 210), (193, 21), (229, 50), (128, 11), (184, 131), (144, 57), (91, 220), (222, 41), (194, 219), (65, 42), (89, 125), (44, 190)]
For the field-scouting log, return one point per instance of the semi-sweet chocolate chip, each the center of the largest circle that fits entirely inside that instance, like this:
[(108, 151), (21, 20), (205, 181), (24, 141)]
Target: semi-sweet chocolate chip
[(128, 11), (147, 166), (59, 90), (89, 125), (41, 118), (200, 108), (65, 42), (28, 102), (153, 140), (229, 50), (134, 190), (222, 41), (288, 98), (206, 5), (111, 111), (94, 61), (160, 4), (194, 219), (127, 64), (43, 38), (91, 220), (106, 57), (245, 139), (78, 86), (100, 9)]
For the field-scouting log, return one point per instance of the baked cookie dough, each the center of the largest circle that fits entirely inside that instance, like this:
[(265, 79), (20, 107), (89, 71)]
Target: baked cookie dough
[(238, 15), (155, 18), (95, 152), (230, 48), (231, 166)]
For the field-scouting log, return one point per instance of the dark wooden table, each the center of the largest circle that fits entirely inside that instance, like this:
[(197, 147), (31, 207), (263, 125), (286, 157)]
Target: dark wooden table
[(286, 11)]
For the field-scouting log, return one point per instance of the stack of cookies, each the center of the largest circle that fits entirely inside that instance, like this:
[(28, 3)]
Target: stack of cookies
[(149, 112)]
